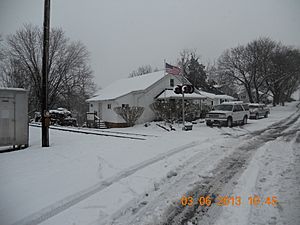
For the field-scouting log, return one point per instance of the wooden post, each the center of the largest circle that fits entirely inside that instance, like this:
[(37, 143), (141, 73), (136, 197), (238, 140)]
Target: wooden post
[(44, 100)]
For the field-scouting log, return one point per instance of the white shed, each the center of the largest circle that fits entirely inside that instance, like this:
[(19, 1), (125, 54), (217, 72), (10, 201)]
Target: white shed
[(13, 117)]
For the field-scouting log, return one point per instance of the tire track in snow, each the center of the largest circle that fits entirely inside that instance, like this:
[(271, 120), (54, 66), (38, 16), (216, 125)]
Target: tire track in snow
[(225, 174), (59, 206), (65, 203), (227, 171), (92, 132)]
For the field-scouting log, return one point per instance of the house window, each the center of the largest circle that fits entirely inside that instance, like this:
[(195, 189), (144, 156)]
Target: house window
[(91, 105), (125, 105), (172, 82), (109, 106)]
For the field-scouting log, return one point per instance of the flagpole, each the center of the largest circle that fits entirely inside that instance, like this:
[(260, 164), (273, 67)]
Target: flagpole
[(165, 86), (165, 73), (183, 111)]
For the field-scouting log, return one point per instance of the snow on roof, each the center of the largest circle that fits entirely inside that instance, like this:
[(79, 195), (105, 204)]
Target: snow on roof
[(214, 96), (233, 102), (255, 104), (225, 97), (207, 94), (12, 89), (171, 94), (217, 85), (124, 86)]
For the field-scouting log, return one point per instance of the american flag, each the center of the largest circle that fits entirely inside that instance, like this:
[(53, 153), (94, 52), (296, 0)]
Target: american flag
[(174, 70)]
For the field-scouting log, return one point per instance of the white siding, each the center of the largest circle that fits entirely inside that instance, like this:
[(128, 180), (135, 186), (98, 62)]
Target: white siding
[(92, 106), (147, 98)]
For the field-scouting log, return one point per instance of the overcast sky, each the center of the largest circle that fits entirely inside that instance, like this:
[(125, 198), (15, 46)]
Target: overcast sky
[(124, 34)]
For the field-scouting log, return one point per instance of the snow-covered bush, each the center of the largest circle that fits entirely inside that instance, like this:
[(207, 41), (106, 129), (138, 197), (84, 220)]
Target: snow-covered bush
[(130, 114), (172, 110)]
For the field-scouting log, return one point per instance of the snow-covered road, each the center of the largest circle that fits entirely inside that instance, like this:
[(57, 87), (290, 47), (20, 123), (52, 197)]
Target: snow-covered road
[(88, 179), (223, 178)]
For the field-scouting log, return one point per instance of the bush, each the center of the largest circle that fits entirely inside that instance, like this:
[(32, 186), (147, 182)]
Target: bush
[(172, 110), (130, 114)]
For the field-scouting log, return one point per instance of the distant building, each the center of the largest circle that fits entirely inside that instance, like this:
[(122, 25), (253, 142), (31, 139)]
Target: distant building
[(225, 89), (264, 97), (213, 99)]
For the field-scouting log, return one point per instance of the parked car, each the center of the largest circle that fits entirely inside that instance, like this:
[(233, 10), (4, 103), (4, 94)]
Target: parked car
[(258, 110), (228, 113), (62, 117)]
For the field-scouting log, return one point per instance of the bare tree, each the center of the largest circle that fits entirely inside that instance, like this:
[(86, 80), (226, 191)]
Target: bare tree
[(130, 114), (259, 59), (184, 59), (69, 71), (284, 72), (142, 70), (261, 66), (234, 68), (1, 48)]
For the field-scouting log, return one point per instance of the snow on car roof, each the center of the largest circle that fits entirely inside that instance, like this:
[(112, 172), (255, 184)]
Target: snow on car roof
[(255, 104), (234, 102), (59, 110), (126, 85)]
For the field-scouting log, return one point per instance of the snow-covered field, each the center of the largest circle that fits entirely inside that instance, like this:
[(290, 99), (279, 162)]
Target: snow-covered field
[(91, 179)]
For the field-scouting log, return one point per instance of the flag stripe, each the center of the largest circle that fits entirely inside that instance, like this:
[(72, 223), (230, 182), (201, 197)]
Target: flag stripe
[(174, 70)]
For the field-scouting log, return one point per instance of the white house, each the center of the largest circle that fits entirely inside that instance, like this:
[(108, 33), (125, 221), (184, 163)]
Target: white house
[(135, 91), (264, 97)]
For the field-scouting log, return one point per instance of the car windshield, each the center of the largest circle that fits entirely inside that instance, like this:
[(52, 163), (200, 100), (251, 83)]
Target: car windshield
[(223, 107), (253, 106)]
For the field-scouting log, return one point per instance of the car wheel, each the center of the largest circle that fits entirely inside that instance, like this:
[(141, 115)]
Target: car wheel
[(209, 124), (229, 122), (245, 120), (266, 115), (256, 116)]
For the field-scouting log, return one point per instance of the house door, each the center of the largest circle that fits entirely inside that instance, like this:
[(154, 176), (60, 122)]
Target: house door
[(7, 121), (100, 111)]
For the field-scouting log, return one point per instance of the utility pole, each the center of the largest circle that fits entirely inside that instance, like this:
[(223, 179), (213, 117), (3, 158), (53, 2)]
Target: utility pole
[(44, 100), (183, 116), (183, 111)]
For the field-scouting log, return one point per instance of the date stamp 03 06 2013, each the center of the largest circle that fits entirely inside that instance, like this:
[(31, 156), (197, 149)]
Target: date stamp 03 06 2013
[(219, 200)]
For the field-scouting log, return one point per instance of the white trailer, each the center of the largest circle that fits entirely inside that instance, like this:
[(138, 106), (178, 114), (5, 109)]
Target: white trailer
[(13, 117)]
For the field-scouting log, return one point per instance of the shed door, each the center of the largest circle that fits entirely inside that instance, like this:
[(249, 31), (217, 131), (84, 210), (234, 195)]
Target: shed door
[(7, 122)]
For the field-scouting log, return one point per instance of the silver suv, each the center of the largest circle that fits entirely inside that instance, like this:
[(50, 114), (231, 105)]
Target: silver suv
[(258, 110), (228, 113)]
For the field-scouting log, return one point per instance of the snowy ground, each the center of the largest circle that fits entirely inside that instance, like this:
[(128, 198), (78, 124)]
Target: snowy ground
[(91, 179)]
